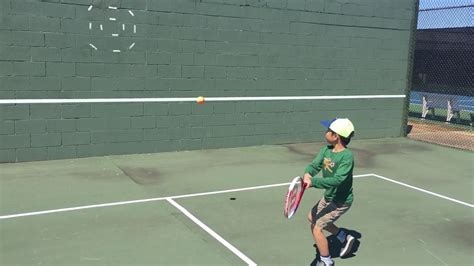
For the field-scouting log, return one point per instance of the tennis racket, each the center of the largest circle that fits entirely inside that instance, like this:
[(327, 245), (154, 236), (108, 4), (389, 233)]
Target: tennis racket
[(293, 197)]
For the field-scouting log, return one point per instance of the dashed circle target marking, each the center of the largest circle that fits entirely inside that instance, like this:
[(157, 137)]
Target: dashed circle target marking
[(115, 34)]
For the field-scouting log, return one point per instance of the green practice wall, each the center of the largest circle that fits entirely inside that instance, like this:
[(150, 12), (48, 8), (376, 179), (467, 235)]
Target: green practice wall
[(187, 48)]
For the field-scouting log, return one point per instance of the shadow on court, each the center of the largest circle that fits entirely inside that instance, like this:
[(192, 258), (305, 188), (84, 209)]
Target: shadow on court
[(335, 246)]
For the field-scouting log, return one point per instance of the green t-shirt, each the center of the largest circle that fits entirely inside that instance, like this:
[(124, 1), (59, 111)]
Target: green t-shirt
[(336, 177)]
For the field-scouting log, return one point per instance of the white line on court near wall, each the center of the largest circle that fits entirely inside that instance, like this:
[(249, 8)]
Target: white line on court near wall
[(423, 190), (212, 232), (3, 217), (193, 99)]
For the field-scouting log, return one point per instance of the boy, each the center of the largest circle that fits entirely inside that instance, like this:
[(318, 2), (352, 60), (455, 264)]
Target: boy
[(336, 162)]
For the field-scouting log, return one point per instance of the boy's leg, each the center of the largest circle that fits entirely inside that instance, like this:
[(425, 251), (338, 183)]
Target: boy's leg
[(336, 231), (327, 213), (346, 239), (323, 247), (321, 241), (319, 219), (332, 228)]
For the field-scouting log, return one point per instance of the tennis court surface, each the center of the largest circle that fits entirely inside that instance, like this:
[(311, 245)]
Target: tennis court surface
[(413, 206)]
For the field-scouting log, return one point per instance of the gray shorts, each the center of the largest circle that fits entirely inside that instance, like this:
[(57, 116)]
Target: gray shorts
[(324, 213)]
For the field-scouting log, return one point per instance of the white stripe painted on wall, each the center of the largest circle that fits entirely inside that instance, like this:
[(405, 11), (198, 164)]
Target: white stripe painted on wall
[(193, 99)]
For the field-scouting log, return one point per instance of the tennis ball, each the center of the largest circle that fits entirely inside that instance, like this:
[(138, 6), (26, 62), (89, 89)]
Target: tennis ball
[(200, 100)]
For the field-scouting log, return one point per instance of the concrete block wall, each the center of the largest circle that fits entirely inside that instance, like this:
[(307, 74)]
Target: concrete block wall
[(187, 48)]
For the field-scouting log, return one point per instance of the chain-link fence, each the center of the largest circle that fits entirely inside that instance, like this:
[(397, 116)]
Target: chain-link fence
[(441, 106)]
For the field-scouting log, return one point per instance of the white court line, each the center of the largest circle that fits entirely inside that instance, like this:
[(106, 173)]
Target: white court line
[(212, 233), (145, 200), (78, 208), (423, 190), (134, 201), (10, 216), (193, 99)]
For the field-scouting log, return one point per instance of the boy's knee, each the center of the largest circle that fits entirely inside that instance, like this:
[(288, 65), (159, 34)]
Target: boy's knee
[(317, 228)]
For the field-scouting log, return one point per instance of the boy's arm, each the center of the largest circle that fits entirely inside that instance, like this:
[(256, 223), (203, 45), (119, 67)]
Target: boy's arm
[(315, 166), (342, 172)]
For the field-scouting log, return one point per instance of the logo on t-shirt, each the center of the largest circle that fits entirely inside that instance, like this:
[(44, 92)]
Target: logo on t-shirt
[(328, 164)]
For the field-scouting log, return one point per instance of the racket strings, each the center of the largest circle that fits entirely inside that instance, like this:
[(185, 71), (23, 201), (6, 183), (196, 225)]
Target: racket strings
[(293, 199)]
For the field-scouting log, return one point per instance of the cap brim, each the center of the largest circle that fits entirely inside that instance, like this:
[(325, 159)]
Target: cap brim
[(327, 123)]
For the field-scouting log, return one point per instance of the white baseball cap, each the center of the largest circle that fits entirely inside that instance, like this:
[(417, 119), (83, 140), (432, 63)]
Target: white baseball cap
[(341, 126)]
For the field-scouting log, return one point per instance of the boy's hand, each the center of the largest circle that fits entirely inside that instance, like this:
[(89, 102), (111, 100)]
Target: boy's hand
[(307, 180)]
